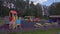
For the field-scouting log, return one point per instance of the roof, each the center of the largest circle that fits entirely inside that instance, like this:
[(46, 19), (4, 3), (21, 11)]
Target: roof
[(13, 12), (55, 16)]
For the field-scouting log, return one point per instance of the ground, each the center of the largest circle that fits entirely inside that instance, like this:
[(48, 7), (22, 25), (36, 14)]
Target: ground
[(38, 31), (49, 31)]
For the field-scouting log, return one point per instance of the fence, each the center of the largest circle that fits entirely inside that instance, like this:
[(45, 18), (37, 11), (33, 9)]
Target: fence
[(2, 21)]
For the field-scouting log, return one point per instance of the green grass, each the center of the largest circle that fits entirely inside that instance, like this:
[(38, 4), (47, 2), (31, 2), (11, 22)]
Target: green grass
[(50, 31)]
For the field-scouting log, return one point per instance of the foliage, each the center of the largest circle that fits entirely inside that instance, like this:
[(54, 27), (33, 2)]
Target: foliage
[(23, 9), (54, 9)]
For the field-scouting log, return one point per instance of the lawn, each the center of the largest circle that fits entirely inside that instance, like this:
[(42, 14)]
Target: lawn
[(50, 31)]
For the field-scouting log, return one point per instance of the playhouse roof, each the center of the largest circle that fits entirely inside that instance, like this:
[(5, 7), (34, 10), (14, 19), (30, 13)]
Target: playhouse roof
[(55, 16), (13, 12)]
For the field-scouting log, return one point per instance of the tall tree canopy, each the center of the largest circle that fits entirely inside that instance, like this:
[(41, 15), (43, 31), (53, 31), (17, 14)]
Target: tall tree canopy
[(54, 9), (23, 8)]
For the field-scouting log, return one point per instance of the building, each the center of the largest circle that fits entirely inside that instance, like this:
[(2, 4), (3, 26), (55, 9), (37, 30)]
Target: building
[(55, 17)]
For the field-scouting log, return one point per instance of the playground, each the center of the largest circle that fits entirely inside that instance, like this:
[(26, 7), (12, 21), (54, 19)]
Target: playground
[(28, 26)]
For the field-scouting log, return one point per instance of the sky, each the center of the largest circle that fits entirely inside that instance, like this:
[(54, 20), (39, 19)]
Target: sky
[(45, 2)]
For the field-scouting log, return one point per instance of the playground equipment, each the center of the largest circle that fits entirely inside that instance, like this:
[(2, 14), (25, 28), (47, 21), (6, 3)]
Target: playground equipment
[(12, 18), (12, 12), (38, 25)]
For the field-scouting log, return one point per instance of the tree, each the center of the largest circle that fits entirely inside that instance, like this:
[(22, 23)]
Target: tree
[(39, 10), (23, 8), (20, 6), (4, 11), (1, 7), (32, 9), (54, 9)]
